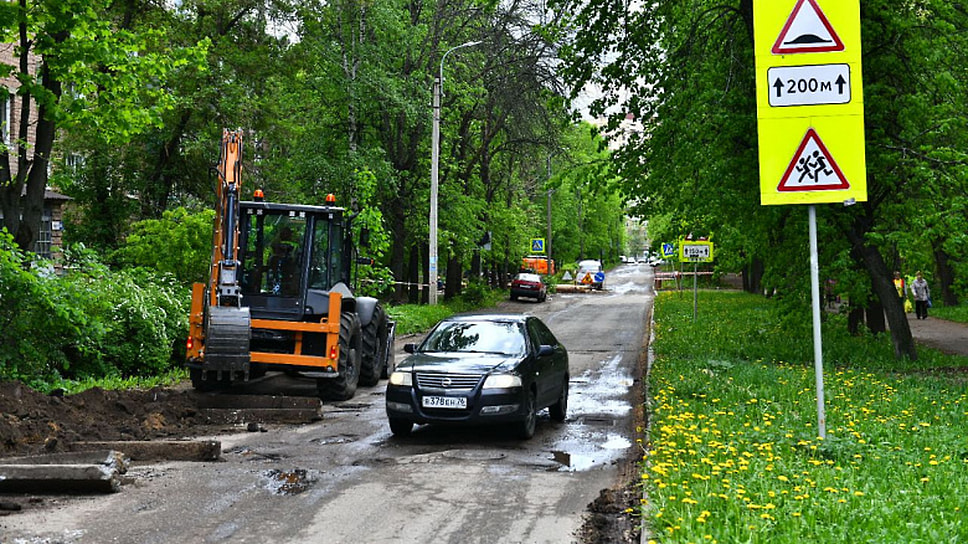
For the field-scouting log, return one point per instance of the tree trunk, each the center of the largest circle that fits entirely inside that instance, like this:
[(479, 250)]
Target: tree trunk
[(413, 276), (753, 276), (398, 251), (875, 317), (161, 181), (454, 276), (881, 281), (855, 319), (946, 276), (476, 265), (33, 201)]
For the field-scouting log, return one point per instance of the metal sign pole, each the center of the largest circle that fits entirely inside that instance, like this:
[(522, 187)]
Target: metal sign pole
[(695, 290), (817, 341)]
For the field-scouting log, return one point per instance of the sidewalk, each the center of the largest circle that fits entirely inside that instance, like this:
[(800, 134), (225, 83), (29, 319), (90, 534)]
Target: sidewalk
[(947, 336)]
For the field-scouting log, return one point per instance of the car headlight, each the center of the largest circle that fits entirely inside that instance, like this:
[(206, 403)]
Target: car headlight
[(502, 381), (402, 378)]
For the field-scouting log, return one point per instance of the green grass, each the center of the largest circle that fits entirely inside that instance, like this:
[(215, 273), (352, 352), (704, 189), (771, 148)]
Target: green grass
[(733, 453), (951, 313), (71, 387), (413, 318)]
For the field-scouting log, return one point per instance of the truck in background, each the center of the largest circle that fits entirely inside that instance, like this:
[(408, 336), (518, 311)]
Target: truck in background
[(538, 264)]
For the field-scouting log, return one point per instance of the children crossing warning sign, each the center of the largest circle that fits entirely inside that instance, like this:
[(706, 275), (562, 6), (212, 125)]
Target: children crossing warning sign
[(810, 101), (807, 30), (812, 168)]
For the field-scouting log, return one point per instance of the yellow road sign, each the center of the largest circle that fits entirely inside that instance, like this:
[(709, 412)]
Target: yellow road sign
[(809, 97), (700, 251)]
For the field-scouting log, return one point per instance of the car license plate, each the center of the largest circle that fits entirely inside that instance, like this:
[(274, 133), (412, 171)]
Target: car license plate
[(456, 403)]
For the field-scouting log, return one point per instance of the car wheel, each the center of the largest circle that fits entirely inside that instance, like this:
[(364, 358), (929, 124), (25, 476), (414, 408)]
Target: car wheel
[(525, 427), (559, 410), (514, 297), (400, 427)]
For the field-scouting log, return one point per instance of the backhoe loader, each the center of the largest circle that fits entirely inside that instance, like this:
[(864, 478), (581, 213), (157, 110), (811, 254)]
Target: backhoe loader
[(278, 296)]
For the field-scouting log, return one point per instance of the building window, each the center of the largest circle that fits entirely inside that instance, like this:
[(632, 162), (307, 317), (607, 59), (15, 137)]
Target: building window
[(74, 162), (45, 236), (6, 109)]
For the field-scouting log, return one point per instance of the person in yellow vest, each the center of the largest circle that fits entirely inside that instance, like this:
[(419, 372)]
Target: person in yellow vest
[(899, 286)]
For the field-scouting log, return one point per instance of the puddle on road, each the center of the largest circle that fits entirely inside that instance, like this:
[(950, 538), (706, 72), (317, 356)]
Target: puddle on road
[(292, 482), (582, 456), (596, 401), (330, 440), (602, 394)]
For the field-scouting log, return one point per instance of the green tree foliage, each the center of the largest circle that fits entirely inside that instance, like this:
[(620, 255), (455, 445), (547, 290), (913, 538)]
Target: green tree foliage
[(75, 68), (89, 322), (179, 244), (685, 69)]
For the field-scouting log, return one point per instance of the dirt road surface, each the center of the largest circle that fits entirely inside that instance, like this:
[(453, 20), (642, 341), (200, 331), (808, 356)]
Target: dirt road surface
[(946, 336), (346, 479)]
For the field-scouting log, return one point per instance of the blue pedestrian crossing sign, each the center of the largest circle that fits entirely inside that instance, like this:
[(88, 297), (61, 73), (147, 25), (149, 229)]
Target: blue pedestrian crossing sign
[(537, 245), (668, 250)]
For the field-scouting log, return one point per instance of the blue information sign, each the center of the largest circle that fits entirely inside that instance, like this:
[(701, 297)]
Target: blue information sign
[(537, 245)]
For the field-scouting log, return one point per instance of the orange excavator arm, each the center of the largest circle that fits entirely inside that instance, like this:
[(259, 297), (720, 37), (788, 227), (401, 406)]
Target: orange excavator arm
[(224, 280)]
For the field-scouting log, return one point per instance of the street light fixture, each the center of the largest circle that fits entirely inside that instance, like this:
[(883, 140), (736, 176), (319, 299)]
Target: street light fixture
[(434, 166)]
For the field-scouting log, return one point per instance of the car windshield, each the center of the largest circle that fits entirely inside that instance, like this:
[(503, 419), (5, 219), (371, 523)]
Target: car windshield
[(528, 277), (505, 338)]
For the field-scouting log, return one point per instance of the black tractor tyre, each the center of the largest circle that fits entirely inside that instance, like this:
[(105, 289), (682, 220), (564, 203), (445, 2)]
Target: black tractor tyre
[(374, 348), (343, 387)]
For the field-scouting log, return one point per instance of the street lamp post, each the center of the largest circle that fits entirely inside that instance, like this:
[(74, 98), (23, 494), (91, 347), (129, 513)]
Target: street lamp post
[(434, 167)]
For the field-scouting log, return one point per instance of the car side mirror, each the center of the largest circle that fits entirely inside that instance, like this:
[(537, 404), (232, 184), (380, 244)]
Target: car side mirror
[(544, 350), (410, 348)]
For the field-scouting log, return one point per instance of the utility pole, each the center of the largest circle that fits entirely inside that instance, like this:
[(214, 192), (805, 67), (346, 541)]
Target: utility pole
[(434, 172)]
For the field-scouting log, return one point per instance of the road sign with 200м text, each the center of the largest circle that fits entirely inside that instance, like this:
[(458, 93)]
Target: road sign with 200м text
[(809, 85)]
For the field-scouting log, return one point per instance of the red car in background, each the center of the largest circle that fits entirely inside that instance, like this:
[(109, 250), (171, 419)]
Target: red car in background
[(530, 286)]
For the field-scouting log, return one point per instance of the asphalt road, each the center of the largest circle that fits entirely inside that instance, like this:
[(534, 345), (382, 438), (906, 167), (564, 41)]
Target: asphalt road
[(346, 479)]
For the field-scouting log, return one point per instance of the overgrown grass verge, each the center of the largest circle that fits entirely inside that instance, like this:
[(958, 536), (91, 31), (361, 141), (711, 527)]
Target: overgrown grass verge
[(951, 313), (413, 318), (734, 454), (71, 387)]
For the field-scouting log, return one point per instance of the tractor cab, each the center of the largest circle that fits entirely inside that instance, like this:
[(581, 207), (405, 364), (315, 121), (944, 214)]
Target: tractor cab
[(291, 257)]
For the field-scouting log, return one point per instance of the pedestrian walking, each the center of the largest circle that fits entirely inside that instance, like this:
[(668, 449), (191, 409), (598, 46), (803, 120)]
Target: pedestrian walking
[(899, 286), (921, 293)]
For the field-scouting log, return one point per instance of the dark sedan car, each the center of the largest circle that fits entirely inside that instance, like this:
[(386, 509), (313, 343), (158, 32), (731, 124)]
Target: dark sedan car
[(528, 285), (481, 369)]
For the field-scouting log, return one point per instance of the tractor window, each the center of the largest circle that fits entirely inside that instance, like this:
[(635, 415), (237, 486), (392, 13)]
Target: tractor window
[(325, 267), (319, 274), (274, 246)]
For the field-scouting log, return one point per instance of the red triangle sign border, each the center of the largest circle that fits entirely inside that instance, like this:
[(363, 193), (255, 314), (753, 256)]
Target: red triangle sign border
[(812, 134), (780, 49)]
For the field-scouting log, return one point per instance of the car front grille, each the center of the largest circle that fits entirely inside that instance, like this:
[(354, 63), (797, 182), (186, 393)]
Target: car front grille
[(447, 381)]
